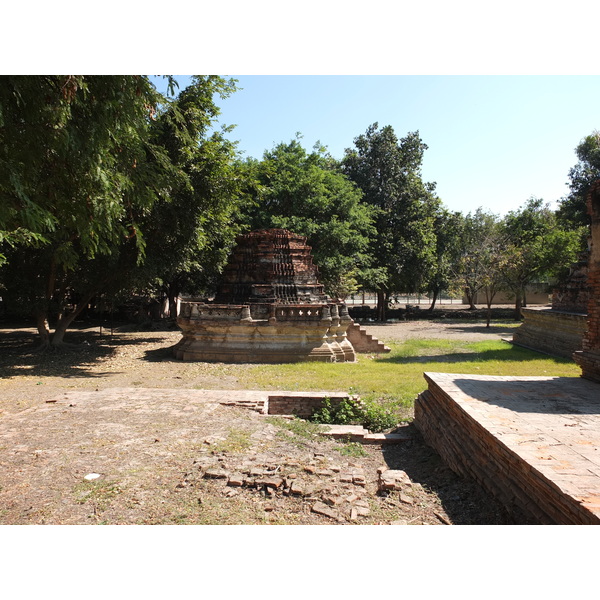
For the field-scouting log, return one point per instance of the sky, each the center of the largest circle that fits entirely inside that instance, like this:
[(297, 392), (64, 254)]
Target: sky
[(501, 93), (492, 141)]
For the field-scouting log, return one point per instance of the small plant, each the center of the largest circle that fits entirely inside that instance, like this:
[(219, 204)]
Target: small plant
[(236, 441), (372, 415), (100, 493), (352, 449)]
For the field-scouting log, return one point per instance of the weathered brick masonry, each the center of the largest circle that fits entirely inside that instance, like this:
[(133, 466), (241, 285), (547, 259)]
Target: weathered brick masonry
[(589, 358), (269, 308)]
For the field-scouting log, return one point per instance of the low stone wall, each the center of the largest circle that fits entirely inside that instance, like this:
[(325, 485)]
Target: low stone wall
[(301, 404), (553, 332), (292, 333)]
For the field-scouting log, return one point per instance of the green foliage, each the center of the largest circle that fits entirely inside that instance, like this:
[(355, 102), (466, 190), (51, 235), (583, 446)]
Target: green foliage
[(372, 415), (307, 194), (573, 210), (448, 242), (105, 185), (387, 170), (477, 255), (536, 247)]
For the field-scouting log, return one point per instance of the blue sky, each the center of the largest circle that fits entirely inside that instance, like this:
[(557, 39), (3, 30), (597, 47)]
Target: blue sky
[(493, 141), (479, 81)]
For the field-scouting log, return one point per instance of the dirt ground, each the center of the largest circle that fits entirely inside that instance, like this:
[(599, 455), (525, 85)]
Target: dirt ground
[(126, 415)]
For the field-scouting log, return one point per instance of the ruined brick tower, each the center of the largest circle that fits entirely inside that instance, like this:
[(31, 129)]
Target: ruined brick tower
[(269, 308), (589, 358)]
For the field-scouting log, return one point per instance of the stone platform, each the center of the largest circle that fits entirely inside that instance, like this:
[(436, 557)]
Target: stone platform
[(533, 442), (555, 332)]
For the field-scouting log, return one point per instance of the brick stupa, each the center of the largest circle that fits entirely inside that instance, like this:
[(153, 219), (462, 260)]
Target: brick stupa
[(269, 308)]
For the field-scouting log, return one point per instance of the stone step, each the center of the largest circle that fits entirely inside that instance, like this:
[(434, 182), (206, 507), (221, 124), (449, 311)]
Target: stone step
[(365, 342), (357, 433)]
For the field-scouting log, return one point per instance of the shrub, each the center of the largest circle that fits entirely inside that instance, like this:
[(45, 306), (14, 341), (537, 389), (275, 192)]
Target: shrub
[(352, 411)]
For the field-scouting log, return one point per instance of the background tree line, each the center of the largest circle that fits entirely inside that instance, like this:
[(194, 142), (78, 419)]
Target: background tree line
[(109, 188)]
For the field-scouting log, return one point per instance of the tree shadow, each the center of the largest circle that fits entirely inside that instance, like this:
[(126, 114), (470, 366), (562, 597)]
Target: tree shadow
[(20, 354), (510, 353), (492, 329), (463, 500)]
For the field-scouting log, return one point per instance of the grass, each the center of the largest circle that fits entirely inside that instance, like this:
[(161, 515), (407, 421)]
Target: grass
[(354, 449), (397, 377), (100, 493), (236, 441)]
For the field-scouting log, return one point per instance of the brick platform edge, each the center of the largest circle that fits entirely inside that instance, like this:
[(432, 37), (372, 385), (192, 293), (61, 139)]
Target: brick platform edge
[(451, 422), (557, 333)]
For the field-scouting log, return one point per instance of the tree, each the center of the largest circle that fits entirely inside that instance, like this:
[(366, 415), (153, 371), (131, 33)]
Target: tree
[(307, 194), (387, 170), (83, 165), (536, 248), (474, 265), (190, 232), (448, 237), (573, 211)]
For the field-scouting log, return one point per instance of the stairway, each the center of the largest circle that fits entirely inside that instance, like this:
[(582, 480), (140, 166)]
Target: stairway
[(364, 342)]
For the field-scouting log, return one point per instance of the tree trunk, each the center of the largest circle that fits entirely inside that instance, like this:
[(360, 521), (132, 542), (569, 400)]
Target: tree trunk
[(436, 291), (57, 339), (381, 305), (43, 328), (172, 295), (470, 298), (518, 306)]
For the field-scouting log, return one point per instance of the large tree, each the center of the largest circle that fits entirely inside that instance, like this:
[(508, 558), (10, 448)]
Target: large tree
[(388, 171), (572, 210), (190, 232), (475, 263), (536, 248), (448, 246), (83, 164), (306, 193)]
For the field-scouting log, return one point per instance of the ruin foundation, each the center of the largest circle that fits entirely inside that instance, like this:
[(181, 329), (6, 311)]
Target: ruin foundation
[(559, 330), (269, 308)]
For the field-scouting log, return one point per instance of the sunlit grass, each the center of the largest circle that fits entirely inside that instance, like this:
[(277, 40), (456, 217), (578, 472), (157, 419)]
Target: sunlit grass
[(398, 376)]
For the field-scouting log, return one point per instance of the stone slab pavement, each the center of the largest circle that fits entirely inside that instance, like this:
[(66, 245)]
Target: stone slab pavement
[(553, 423)]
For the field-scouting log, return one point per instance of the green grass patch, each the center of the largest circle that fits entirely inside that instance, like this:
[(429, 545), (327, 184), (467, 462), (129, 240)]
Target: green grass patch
[(354, 449), (100, 493), (397, 377), (235, 442)]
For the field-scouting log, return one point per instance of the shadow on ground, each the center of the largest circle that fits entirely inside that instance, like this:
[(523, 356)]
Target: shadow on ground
[(463, 499), (510, 353), (20, 353)]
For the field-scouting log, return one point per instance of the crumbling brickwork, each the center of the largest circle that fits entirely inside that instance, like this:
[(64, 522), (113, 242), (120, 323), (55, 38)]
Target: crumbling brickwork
[(269, 308), (589, 358)]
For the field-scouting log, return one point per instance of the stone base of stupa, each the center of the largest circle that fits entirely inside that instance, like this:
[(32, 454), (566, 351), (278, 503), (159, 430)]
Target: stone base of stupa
[(292, 333), (554, 332)]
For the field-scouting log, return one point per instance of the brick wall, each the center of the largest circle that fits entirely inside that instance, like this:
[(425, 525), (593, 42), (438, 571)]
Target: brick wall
[(471, 450), (589, 358), (301, 404)]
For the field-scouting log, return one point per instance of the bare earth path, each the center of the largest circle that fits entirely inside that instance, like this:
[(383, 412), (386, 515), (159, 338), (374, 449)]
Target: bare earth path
[(124, 410)]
